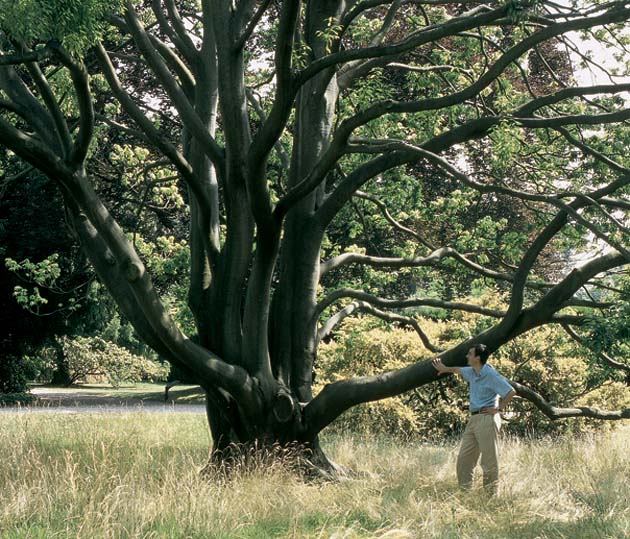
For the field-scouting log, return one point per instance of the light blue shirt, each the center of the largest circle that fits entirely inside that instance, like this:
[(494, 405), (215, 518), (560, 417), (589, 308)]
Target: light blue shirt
[(485, 387)]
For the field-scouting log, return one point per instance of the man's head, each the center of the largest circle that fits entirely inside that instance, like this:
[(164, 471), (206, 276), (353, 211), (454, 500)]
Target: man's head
[(477, 355)]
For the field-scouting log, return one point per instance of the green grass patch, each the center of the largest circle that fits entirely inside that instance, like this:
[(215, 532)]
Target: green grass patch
[(136, 475)]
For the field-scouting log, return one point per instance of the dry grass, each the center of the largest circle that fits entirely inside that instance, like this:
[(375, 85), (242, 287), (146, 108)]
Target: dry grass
[(136, 476)]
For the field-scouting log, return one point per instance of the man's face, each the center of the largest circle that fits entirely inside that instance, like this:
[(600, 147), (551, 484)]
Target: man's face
[(473, 359)]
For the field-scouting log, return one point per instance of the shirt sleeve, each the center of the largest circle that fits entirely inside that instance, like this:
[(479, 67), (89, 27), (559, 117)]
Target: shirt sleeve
[(466, 373), (501, 385)]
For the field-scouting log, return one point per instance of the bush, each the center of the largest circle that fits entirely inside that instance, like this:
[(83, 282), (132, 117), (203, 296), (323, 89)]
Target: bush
[(93, 356), (13, 374), (361, 349), (15, 398)]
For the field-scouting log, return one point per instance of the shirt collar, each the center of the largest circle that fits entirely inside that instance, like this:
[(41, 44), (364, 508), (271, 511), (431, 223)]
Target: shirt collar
[(483, 371)]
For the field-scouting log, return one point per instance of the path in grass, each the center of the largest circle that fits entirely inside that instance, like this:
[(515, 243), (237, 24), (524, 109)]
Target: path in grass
[(103, 398)]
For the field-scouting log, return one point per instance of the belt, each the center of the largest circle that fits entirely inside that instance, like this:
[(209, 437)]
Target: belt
[(476, 412)]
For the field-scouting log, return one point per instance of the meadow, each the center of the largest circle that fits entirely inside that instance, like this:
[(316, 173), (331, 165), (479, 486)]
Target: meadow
[(136, 475)]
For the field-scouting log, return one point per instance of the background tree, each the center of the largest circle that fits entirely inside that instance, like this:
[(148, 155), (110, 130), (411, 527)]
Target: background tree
[(274, 116)]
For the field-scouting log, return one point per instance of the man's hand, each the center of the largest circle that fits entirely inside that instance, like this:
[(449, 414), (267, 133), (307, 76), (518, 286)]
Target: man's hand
[(439, 366), (443, 369)]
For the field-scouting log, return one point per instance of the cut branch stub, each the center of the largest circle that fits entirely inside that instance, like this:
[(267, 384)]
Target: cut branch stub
[(283, 406)]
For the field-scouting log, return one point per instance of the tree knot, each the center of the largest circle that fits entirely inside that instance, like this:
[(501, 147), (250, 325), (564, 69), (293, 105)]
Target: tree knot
[(283, 406), (134, 271)]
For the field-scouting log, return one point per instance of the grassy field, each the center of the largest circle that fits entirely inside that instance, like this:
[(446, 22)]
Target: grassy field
[(136, 475)]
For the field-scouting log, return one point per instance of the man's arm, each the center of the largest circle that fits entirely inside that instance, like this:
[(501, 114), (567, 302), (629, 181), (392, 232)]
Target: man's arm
[(443, 369), (503, 403)]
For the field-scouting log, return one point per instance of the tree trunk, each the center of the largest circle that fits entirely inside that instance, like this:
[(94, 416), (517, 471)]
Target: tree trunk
[(240, 440)]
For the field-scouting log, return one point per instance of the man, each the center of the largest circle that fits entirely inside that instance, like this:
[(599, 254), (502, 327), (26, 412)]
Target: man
[(490, 393)]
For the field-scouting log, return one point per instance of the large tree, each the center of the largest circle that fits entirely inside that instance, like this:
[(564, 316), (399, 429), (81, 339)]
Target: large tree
[(279, 115)]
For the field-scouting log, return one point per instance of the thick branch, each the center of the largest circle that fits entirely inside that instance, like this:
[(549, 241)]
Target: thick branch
[(79, 76), (553, 412), (180, 36), (211, 369), (186, 78), (401, 303), (25, 104), (179, 99), (48, 96), (271, 129), (280, 149), (337, 397), (32, 150)]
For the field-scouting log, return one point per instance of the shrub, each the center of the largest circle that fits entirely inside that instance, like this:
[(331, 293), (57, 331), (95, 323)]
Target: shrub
[(13, 374), (93, 356), (363, 349), (15, 398)]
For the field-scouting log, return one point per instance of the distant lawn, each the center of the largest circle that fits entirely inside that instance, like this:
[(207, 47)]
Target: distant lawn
[(185, 394), (136, 476)]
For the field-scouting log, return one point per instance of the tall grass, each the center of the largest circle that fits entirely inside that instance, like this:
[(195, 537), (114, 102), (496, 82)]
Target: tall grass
[(136, 475)]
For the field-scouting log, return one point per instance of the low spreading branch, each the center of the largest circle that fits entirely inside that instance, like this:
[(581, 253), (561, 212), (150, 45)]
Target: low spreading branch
[(554, 412)]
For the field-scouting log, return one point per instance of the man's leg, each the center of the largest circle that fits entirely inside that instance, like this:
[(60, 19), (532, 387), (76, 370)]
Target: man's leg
[(488, 437), (468, 455)]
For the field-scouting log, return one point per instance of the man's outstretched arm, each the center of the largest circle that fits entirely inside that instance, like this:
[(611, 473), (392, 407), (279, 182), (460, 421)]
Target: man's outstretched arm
[(443, 369)]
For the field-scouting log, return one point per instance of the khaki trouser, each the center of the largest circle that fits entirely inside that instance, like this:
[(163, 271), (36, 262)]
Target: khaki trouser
[(481, 436)]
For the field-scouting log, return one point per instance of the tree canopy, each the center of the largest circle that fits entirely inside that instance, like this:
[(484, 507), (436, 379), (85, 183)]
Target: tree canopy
[(330, 158)]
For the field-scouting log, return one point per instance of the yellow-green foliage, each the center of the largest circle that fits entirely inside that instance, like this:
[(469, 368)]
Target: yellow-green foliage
[(135, 476), (548, 362), (364, 351), (544, 359), (96, 358)]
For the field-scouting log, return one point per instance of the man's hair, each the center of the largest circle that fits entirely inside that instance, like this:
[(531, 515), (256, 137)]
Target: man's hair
[(481, 351)]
